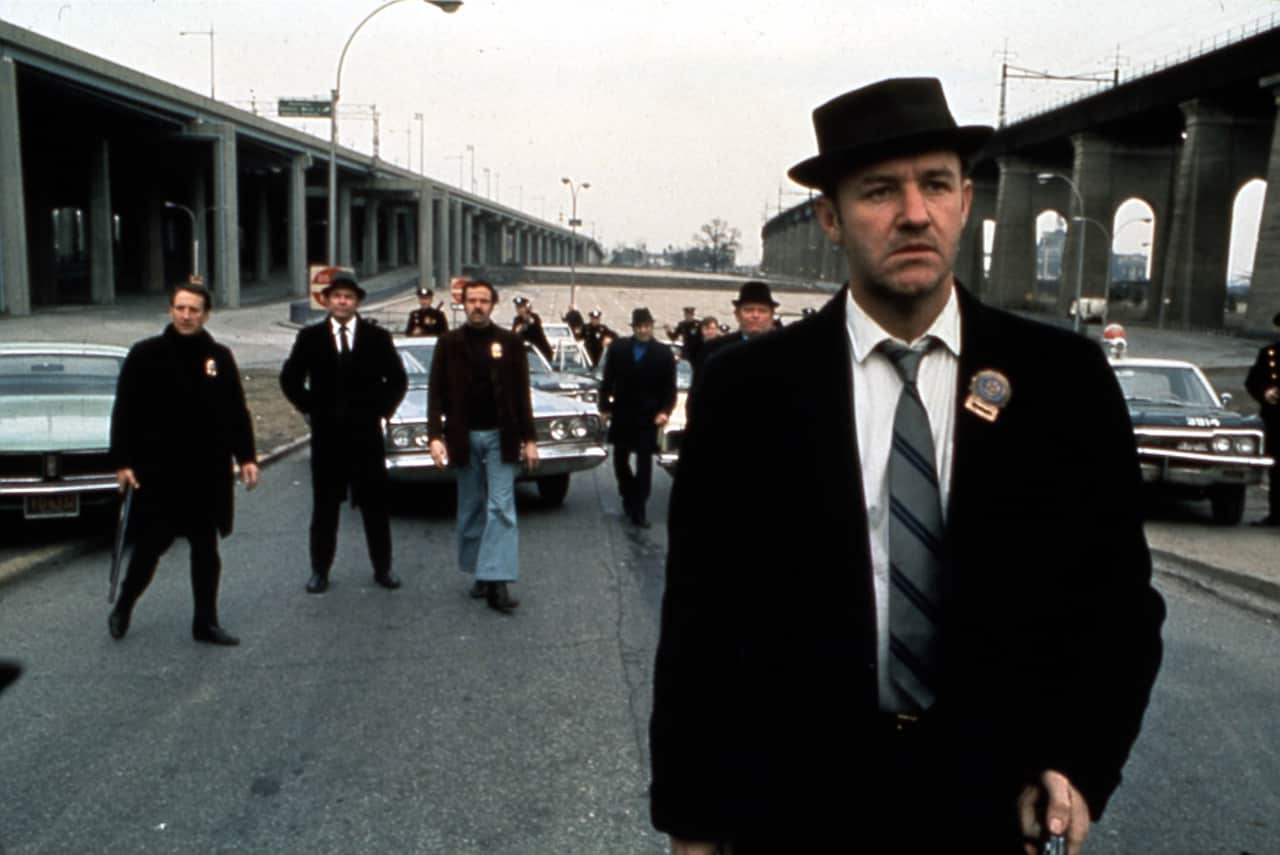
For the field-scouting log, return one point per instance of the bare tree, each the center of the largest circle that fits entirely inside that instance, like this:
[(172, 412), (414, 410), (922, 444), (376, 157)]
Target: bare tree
[(721, 243)]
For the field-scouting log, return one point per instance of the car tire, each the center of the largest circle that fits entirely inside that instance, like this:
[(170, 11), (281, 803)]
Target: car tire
[(1228, 504), (553, 488)]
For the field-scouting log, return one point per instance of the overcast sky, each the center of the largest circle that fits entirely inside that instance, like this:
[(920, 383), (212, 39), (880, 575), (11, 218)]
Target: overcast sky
[(674, 111)]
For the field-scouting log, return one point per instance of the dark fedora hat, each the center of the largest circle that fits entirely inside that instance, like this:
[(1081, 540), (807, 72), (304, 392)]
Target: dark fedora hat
[(892, 118), (343, 279), (755, 292), (641, 316)]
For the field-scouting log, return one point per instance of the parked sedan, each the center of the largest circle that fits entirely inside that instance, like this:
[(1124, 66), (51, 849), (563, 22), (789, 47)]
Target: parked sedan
[(1188, 442), (570, 432), (671, 436), (572, 384), (55, 428)]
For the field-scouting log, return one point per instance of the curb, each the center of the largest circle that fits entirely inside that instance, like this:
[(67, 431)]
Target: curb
[(1250, 592), (18, 567)]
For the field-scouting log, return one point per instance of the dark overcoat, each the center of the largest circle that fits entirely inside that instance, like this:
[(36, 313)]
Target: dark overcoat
[(1263, 375), (179, 421), (530, 330), (765, 722), (345, 415), (633, 393), (451, 374)]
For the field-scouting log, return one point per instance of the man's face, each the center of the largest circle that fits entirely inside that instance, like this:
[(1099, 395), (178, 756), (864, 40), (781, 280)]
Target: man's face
[(643, 332), (342, 304), (710, 331), (188, 313), (595, 321), (754, 318), (522, 310), (424, 300), (899, 222), (478, 303)]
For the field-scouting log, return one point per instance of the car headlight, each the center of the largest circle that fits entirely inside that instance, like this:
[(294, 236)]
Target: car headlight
[(1246, 445), (1222, 444), (578, 428), (590, 395), (559, 430), (420, 437), (402, 436)]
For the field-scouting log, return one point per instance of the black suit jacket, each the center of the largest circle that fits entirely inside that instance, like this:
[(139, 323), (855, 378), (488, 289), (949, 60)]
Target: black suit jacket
[(1263, 375), (765, 717), (633, 393), (346, 446), (178, 421)]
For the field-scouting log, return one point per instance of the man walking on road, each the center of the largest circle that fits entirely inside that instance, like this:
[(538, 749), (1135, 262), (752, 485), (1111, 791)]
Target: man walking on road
[(955, 649), (345, 376), (480, 422), (1263, 384), (178, 423), (637, 394)]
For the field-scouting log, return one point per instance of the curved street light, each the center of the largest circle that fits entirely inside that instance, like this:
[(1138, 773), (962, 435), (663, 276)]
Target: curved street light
[(1045, 178), (447, 6), (574, 222)]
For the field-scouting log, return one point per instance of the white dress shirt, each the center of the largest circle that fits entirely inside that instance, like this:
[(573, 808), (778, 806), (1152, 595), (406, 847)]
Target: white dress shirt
[(334, 329), (876, 387)]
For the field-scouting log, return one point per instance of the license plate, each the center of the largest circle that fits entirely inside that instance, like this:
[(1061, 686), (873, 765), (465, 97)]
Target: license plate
[(51, 506)]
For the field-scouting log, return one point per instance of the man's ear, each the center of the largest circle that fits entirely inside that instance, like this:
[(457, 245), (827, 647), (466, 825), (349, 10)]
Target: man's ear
[(828, 219)]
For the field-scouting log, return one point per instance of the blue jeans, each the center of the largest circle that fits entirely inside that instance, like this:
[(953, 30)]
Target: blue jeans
[(487, 536)]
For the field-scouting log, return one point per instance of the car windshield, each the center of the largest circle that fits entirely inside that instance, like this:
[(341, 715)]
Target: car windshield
[(570, 357), (58, 374), (556, 330), (538, 365), (684, 374), (417, 361), (1172, 385)]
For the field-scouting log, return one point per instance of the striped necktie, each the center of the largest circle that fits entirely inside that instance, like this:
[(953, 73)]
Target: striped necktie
[(915, 543)]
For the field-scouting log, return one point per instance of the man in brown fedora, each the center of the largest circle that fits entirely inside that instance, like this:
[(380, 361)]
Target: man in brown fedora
[(1263, 385), (962, 648)]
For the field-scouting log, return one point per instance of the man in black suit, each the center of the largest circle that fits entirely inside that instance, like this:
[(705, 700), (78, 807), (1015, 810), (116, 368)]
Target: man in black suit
[(753, 310), (178, 422), (1263, 385), (954, 648), (345, 376), (637, 394)]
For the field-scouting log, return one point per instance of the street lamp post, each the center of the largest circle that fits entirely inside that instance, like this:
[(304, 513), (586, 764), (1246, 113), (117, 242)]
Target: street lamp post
[(1044, 178), (471, 149), (195, 236), (447, 6), (210, 33), (574, 222)]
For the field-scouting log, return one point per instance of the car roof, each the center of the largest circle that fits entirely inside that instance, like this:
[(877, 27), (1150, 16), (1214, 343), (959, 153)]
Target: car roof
[(1151, 363), (66, 348)]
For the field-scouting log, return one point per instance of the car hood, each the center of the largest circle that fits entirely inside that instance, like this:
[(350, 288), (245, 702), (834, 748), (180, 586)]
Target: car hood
[(55, 422), (1156, 415), (562, 381), (414, 406)]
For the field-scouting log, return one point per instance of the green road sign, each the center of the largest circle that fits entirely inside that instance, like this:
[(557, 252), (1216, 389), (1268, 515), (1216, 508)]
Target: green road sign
[(304, 108)]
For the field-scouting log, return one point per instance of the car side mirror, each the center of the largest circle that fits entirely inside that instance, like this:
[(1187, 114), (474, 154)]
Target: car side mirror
[(1225, 397)]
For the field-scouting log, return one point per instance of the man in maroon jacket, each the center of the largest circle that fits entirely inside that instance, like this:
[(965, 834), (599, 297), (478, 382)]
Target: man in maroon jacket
[(480, 421)]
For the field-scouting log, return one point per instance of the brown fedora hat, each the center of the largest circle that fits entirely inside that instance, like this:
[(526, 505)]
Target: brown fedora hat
[(895, 117)]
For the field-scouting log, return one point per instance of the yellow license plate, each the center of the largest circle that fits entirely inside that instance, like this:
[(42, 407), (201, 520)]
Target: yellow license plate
[(51, 506)]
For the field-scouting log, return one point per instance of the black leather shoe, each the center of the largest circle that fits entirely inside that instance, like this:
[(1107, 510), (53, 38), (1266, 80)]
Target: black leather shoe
[(480, 590), (118, 623), (214, 635), (318, 584), (387, 580), (500, 598), (639, 520)]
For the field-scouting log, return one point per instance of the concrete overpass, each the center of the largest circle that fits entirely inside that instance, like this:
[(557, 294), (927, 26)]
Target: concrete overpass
[(1184, 139), (91, 151)]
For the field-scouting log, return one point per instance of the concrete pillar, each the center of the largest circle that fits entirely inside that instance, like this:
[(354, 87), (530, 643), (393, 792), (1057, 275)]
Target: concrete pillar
[(1264, 287), (372, 208), (1193, 288), (970, 258), (425, 248), (1013, 255), (482, 241), (444, 245), (298, 281), (344, 226), (226, 219), (1091, 174), (455, 237), (15, 279), (153, 281), (393, 238), (102, 266), (468, 237), (262, 238), (200, 206)]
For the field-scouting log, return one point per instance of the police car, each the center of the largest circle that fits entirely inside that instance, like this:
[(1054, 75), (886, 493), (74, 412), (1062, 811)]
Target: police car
[(1189, 443)]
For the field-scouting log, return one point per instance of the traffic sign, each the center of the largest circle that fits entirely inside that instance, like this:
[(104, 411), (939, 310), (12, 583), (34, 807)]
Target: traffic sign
[(456, 285), (575, 222), (304, 108)]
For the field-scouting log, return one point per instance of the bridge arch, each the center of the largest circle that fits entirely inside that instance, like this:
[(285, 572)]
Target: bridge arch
[(1246, 221), (1133, 230)]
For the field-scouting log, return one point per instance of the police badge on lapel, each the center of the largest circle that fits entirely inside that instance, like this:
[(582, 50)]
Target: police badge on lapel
[(989, 392), (495, 350), (210, 367)]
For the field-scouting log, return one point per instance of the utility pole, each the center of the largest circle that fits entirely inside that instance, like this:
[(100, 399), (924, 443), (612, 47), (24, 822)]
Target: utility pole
[(210, 34)]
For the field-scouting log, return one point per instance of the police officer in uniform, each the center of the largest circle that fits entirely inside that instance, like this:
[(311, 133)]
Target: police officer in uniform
[(528, 325), (426, 319), (1263, 383), (688, 333), (575, 321), (593, 336)]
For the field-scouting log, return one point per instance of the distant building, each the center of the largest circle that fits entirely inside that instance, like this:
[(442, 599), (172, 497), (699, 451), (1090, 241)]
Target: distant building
[(1049, 251)]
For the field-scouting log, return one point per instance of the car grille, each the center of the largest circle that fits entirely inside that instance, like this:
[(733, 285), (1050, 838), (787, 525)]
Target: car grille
[(24, 467), (87, 464), (55, 466)]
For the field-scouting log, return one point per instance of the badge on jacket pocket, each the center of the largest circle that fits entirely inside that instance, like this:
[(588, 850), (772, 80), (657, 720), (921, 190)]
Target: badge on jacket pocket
[(495, 350), (210, 367)]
